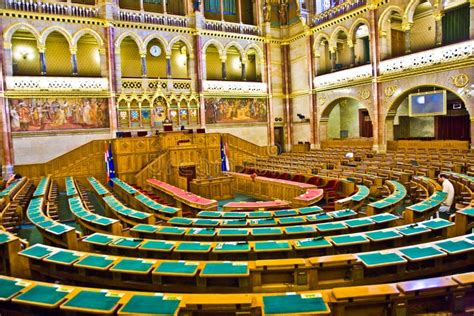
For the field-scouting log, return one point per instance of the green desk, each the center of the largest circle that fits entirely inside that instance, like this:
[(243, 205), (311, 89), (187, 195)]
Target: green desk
[(318, 217), (237, 232), (93, 301), (421, 253), (381, 235), (384, 217), (177, 268), (234, 222), (43, 296), (207, 232), (157, 304), (63, 257), (295, 304), (96, 262), (175, 231), (359, 222), (293, 230), (342, 213), (193, 247), (59, 229), (285, 213), (437, 223), (205, 222), (455, 246), (326, 227), (240, 215), (225, 269), (266, 231), (309, 210), (412, 230), (37, 251), (291, 220), (180, 221), (377, 259), (263, 222), (98, 239), (312, 243), (9, 288), (138, 266), (272, 246), (144, 228), (345, 240), (130, 243), (240, 246), (157, 245), (209, 214), (260, 214)]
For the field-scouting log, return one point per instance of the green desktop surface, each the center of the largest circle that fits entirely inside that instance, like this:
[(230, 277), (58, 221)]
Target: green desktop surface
[(144, 228), (9, 288), (377, 258), (37, 251), (312, 243), (293, 304), (132, 265), (177, 267), (225, 268), (127, 242), (193, 247), (63, 257), (157, 245), (300, 229), (452, 246), (95, 261), (416, 253), (348, 239), (92, 300), (151, 305), (43, 294), (240, 246), (233, 232), (99, 239), (383, 235), (272, 245)]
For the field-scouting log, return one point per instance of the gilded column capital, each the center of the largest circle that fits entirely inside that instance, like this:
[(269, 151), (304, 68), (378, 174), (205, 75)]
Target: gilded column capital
[(438, 15), (406, 26), (223, 58), (73, 50), (41, 48)]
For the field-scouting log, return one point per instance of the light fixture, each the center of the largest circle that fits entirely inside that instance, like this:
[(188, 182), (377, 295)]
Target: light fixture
[(23, 52)]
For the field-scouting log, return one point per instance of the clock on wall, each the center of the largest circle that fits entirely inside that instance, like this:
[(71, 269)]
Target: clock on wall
[(155, 51)]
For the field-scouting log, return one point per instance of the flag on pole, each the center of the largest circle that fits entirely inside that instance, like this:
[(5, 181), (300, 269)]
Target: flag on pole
[(224, 156), (109, 163)]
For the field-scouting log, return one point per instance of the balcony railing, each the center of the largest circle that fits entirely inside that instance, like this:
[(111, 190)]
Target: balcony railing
[(55, 8), (231, 27), (152, 18), (338, 11), (343, 77), (144, 84), (234, 87), (428, 58), (56, 83)]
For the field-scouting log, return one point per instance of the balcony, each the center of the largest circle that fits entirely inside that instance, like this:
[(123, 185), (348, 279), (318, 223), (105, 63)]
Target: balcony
[(148, 84), (19, 83), (232, 27), (151, 18), (428, 58), (336, 11), (53, 8), (234, 87), (343, 77)]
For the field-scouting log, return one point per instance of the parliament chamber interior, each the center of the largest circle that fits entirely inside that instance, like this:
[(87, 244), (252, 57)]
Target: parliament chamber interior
[(237, 157)]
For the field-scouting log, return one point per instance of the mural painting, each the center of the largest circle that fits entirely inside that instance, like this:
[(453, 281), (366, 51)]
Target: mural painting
[(226, 110)]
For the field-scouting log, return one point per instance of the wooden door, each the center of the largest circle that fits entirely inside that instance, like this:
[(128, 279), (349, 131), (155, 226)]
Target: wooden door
[(398, 43)]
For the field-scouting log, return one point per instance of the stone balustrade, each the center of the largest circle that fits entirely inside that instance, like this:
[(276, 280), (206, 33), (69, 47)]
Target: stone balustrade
[(21, 83)]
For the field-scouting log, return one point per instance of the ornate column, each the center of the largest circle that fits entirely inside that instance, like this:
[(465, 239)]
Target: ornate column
[(6, 151), (143, 63), (141, 5), (164, 6), (267, 77), (472, 132), (200, 72), (379, 144), (332, 53), (406, 27), (74, 60), (113, 75), (239, 10), (309, 55), (191, 66), (168, 66), (287, 102), (103, 62), (222, 9), (244, 69), (42, 59), (471, 18), (384, 44), (7, 59), (224, 71), (439, 27), (352, 52)]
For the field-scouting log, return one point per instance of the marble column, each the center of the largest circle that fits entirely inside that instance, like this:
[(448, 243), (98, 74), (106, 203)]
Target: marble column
[(439, 28), (7, 59), (6, 157), (222, 9), (472, 132), (332, 53), (471, 18), (168, 67), (243, 76), (190, 67), (224, 70), (379, 144), (143, 63), (267, 78), (42, 59), (200, 72), (74, 61), (352, 53), (112, 56), (406, 27), (310, 64)]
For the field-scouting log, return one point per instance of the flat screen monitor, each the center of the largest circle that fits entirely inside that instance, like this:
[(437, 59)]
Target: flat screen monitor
[(427, 103)]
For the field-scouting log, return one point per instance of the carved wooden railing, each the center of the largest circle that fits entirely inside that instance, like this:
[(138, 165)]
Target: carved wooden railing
[(151, 18), (156, 169), (339, 10), (53, 8), (231, 27), (241, 150)]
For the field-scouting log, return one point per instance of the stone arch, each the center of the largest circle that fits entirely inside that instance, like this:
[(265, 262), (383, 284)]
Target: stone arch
[(355, 26), (335, 33), (7, 36), (217, 44), (183, 39), (134, 36), (386, 14), (160, 39), (325, 111), (54, 28), (410, 10), (257, 49), (77, 36), (236, 46), (319, 38)]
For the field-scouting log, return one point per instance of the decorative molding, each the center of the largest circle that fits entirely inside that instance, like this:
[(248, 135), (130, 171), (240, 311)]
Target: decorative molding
[(390, 91), (460, 80), (428, 58), (56, 84), (234, 87), (343, 77)]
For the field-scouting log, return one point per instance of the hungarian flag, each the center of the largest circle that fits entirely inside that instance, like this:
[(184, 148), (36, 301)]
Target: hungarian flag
[(109, 163), (224, 156)]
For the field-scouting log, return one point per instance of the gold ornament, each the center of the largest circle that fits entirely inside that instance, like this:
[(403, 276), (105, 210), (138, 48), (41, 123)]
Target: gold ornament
[(460, 81)]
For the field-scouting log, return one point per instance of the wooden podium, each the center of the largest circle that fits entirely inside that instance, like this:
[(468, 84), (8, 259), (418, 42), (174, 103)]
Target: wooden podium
[(217, 188)]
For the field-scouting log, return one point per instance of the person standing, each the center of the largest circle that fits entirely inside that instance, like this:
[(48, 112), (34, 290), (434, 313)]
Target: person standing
[(445, 208)]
